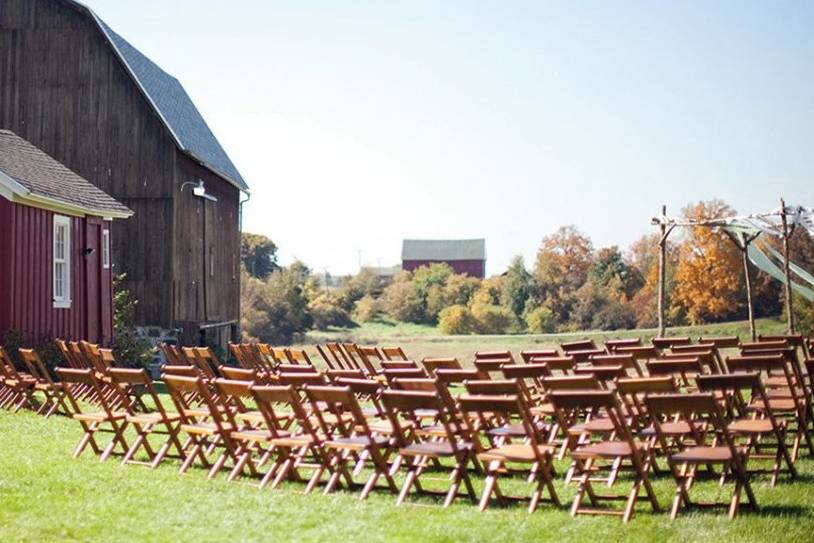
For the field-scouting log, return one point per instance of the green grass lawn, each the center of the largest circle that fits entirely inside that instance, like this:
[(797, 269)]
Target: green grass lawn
[(421, 341), (45, 495)]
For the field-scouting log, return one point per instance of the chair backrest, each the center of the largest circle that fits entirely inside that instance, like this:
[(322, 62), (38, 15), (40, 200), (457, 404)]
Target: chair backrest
[(448, 377), (584, 355), (528, 354), (721, 342), (333, 375), (668, 342), (408, 373), (298, 356), (571, 382), (369, 357), (394, 353), (613, 344), (568, 402), (299, 380), (578, 345), (183, 390), (263, 355), (495, 355), (87, 378), (333, 352), (531, 374), (240, 374), (683, 369), (204, 370), (296, 368), (707, 355), (67, 355), (625, 360), (181, 371), (762, 345), (732, 386), (398, 364), (232, 396), (434, 364)]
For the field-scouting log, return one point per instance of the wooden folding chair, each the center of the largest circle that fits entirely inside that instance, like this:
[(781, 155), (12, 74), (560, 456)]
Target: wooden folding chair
[(787, 399), (296, 368), (557, 365), (621, 447), (18, 387), (640, 353), (347, 437), (486, 414), (55, 397), (720, 451), (294, 449), (707, 355), (398, 365), (333, 375), (532, 376), (107, 420), (741, 423), (394, 353), (584, 355), (407, 373), (159, 422), (434, 364), (488, 367), (684, 370), (209, 429), (605, 374), (404, 409), (205, 371)]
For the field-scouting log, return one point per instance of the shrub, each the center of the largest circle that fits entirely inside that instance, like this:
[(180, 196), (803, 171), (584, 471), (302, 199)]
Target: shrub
[(402, 301), (457, 320), (275, 311), (128, 348), (614, 316), (367, 309), (327, 310), (541, 320), (494, 319)]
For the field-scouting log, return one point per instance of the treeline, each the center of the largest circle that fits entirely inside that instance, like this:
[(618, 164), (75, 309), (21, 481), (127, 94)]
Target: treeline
[(570, 286)]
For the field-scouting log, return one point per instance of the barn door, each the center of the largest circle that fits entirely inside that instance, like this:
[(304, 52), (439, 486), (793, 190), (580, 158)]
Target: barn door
[(93, 281)]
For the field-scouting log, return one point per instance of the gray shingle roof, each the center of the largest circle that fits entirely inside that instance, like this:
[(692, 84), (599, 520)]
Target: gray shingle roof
[(43, 176), (443, 249), (175, 107)]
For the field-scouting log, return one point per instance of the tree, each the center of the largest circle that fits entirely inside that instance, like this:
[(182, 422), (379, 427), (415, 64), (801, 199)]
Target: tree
[(709, 275), (275, 311), (258, 254), (611, 271), (644, 256), (457, 320), (364, 283), (402, 301), (516, 286), (561, 268)]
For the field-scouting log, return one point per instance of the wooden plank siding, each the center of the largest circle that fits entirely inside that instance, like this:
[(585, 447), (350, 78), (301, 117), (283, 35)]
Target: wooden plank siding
[(63, 88), (26, 278)]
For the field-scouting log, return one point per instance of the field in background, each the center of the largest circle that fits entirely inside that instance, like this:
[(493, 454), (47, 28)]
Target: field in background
[(421, 341)]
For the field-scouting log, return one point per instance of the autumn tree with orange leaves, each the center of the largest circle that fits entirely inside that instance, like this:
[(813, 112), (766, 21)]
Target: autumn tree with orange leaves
[(709, 277)]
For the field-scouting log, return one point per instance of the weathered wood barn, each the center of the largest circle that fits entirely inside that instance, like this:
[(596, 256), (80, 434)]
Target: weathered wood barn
[(55, 232), (74, 88), (463, 255)]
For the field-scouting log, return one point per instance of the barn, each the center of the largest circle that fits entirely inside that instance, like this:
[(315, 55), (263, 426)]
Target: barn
[(79, 91), (55, 239), (464, 255)]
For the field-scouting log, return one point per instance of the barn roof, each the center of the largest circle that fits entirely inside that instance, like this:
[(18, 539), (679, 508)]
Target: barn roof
[(33, 177), (443, 249), (174, 106)]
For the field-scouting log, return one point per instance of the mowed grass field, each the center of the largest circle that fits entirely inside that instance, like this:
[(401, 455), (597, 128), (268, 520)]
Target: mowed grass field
[(420, 341), (46, 495)]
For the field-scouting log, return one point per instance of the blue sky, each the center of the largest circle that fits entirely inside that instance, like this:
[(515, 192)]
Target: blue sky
[(358, 124)]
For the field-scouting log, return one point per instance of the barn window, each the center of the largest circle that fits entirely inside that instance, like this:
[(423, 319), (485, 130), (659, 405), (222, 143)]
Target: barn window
[(62, 261), (106, 249)]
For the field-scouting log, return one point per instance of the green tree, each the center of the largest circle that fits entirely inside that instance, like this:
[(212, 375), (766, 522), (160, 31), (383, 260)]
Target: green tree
[(258, 254), (516, 286), (275, 311), (402, 301)]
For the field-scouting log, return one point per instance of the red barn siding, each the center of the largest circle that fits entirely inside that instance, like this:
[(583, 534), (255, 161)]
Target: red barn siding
[(26, 279), (472, 268)]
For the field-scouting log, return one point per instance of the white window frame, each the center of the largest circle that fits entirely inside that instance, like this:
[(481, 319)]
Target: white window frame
[(64, 300), (106, 248)]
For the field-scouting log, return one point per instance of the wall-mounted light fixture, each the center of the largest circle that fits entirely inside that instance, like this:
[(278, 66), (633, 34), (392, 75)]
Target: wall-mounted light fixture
[(199, 190)]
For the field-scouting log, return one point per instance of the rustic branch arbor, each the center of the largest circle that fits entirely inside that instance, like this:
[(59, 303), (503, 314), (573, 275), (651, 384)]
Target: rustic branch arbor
[(742, 239)]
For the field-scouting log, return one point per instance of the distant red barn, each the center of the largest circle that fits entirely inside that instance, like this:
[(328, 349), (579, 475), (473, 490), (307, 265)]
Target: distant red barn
[(55, 232), (463, 255)]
